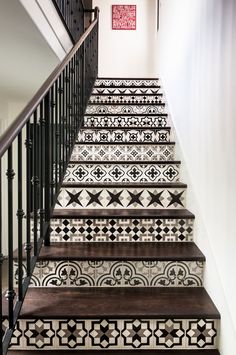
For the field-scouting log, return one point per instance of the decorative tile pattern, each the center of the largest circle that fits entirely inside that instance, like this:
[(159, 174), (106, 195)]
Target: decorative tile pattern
[(124, 152), (127, 82), (126, 99), (121, 230), (103, 90), (125, 109), (124, 135), (118, 274), (98, 334), (137, 172), (126, 121), (127, 197)]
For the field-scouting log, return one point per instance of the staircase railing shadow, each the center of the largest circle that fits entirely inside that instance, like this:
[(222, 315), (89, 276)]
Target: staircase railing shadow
[(34, 153)]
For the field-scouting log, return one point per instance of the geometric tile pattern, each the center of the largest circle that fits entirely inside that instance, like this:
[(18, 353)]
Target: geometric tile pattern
[(112, 172), (110, 121), (121, 230), (127, 82), (124, 135), (125, 109), (126, 152), (126, 99), (126, 91), (99, 334), (119, 274), (116, 197)]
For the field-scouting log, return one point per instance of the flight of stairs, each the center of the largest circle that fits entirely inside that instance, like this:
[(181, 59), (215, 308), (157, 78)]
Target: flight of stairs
[(123, 272)]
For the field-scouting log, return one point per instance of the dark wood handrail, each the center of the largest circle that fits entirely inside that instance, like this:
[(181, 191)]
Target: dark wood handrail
[(11, 133)]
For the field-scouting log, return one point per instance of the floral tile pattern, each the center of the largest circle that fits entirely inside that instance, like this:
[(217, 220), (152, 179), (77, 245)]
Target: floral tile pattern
[(112, 172), (117, 274), (124, 135), (110, 121), (126, 99), (124, 152), (98, 334), (125, 109)]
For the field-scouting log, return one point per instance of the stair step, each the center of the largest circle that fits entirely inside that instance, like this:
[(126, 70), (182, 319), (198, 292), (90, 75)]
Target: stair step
[(110, 196), (115, 152), (138, 225), (117, 352), (120, 303), (126, 99), (121, 265), (125, 120), (134, 135), (136, 82), (121, 318), (123, 171), (125, 109)]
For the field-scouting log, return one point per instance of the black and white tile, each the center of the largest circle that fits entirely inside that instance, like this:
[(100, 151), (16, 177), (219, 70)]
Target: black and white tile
[(112, 172), (115, 197), (126, 99), (121, 230), (124, 135), (125, 109), (103, 273), (115, 121), (122, 152), (126, 90), (115, 334), (127, 82)]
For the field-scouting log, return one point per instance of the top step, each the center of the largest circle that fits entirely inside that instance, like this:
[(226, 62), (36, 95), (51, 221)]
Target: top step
[(126, 82)]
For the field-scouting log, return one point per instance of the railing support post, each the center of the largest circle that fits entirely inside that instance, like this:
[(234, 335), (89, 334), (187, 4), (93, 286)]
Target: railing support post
[(47, 178)]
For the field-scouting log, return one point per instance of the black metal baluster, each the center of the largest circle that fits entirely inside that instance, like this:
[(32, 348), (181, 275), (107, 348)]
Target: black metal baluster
[(20, 215), (10, 294), (60, 128), (42, 168), (52, 167), (35, 181), (63, 122), (28, 246), (47, 171), (56, 140)]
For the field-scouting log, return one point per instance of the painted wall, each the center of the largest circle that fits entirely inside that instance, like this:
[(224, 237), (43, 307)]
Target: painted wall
[(197, 56), (127, 53)]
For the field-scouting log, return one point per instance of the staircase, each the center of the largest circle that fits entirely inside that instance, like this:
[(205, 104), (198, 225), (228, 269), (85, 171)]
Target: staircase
[(122, 272)]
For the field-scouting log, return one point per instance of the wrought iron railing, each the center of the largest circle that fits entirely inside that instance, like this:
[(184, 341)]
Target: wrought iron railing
[(34, 153), (75, 14)]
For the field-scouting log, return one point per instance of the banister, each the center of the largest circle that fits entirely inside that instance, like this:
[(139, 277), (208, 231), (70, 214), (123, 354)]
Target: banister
[(11, 133)]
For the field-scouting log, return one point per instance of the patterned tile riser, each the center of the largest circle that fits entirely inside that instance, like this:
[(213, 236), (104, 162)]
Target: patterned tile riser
[(126, 91), (121, 230), (127, 197), (115, 274), (126, 99), (121, 135), (127, 82), (125, 109), (124, 152), (115, 121), (108, 334), (122, 172)]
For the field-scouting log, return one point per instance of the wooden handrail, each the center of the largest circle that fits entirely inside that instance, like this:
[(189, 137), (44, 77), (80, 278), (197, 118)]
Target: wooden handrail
[(11, 133)]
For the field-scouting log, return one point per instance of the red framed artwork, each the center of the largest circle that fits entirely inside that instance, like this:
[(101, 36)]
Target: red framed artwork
[(124, 17)]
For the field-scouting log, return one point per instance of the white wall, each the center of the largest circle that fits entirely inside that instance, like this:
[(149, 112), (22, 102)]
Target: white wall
[(197, 56), (127, 53)]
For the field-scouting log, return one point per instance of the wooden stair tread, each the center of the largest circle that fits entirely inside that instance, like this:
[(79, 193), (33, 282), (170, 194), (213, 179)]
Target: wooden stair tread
[(130, 128), (143, 162), (172, 251), (99, 302), (116, 352), (125, 143), (125, 184), (123, 213)]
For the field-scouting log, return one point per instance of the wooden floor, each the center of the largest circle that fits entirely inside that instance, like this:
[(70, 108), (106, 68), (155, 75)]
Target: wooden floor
[(102, 302)]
